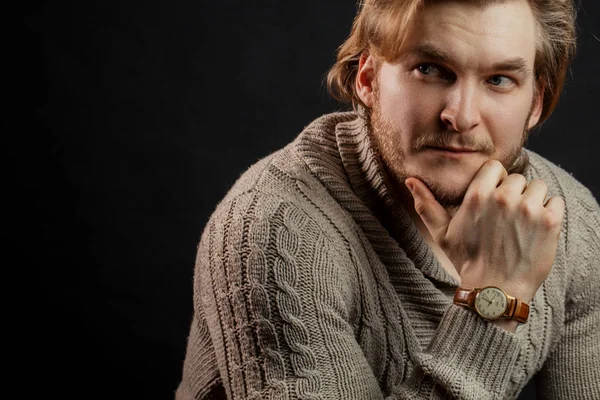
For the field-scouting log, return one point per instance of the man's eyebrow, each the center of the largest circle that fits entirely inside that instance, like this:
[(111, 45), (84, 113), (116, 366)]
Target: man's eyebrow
[(429, 51), (517, 65)]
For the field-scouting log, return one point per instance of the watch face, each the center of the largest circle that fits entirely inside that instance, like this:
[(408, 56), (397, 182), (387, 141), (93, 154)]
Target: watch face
[(490, 303)]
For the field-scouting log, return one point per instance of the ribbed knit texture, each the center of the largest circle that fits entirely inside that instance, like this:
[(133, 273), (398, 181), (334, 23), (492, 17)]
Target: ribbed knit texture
[(310, 283)]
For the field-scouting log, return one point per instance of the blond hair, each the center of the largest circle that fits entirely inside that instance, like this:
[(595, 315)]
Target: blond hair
[(380, 26)]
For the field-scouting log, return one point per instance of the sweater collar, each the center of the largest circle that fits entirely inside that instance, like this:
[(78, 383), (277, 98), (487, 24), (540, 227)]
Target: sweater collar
[(339, 150)]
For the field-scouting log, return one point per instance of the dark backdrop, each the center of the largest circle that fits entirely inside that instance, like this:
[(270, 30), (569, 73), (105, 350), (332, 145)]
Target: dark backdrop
[(142, 114)]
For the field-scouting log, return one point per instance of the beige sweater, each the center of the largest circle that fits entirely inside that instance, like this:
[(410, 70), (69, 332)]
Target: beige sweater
[(311, 284)]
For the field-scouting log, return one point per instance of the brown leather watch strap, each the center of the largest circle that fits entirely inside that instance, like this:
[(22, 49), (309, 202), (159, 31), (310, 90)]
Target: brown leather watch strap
[(517, 310), (465, 297)]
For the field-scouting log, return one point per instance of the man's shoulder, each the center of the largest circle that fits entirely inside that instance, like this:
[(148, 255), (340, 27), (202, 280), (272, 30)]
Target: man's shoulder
[(286, 173), (281, 191), (276, 174), (282, 177)]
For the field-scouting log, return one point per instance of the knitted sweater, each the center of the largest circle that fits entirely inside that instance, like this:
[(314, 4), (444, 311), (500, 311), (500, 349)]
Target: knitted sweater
[(310, 283)]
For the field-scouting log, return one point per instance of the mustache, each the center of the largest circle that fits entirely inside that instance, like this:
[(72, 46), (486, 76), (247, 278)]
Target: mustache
[(453, 139), (447, 139)]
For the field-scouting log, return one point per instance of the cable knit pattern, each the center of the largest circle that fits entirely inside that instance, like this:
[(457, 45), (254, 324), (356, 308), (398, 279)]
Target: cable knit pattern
[(310, 283), (295, 331)]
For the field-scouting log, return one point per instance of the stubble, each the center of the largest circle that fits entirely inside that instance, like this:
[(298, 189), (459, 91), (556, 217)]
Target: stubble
[(387, 142)]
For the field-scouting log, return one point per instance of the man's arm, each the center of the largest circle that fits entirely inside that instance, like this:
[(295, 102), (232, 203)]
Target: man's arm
[(274, 299), (276, 293)]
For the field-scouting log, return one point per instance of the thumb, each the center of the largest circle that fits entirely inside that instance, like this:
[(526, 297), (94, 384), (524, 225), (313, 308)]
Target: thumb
[(433, 215)]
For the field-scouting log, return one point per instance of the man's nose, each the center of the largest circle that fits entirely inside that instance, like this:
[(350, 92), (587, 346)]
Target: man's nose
[(461, 112)]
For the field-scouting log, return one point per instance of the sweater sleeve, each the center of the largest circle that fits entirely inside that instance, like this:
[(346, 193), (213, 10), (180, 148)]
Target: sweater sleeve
[(278, 305), (468, 358), (572, 370)]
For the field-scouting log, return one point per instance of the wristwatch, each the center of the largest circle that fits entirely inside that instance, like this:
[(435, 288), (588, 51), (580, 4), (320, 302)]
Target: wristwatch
[(492, 303)]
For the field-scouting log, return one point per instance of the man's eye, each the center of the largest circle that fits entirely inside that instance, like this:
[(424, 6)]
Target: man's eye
[(431, 70), (500, 81)]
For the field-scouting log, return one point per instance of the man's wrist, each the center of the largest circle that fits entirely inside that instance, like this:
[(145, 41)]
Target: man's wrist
[(493, 304)]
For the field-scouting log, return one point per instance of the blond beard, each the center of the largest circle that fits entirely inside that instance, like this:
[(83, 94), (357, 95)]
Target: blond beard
[(392, 156)]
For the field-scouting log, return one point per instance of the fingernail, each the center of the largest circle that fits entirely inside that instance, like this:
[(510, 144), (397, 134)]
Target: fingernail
[(410, 186)]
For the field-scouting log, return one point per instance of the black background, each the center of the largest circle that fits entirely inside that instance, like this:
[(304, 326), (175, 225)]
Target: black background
[(141, 115)]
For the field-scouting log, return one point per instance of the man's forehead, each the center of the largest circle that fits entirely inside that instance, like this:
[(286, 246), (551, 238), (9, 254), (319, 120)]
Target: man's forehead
[(498, 33)]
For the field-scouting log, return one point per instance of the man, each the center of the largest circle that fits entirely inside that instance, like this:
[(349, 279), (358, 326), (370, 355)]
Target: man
[(411, 248)]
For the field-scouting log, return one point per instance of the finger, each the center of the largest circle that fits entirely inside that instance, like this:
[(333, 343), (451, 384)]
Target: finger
[(555, 212), (536, 192), (433, 215), (490, 175), (514, 184)]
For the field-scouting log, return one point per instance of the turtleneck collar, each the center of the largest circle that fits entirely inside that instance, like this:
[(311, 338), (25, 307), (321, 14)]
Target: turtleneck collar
[(339, 149)]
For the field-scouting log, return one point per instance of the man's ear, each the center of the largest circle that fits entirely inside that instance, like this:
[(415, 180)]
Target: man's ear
[(537, 106), (364, 79)]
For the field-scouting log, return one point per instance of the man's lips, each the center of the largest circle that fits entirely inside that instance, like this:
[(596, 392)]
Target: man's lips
[(453, 149)]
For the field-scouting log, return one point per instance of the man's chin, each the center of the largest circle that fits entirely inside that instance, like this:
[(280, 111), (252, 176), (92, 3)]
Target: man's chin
[(449, 196)]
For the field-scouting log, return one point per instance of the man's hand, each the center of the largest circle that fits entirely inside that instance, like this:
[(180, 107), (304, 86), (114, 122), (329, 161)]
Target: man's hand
[(502, 234)]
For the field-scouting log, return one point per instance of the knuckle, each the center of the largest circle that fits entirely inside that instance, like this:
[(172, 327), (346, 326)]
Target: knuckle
[(421, 208), (538, 184), (527, 209), (518, 177), (444, 242), (495, 164), (502, 199), (475, 197), (551, 220), (500, 167)]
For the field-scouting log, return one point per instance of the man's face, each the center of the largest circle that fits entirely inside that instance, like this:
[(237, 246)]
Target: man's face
[(461, 93)]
